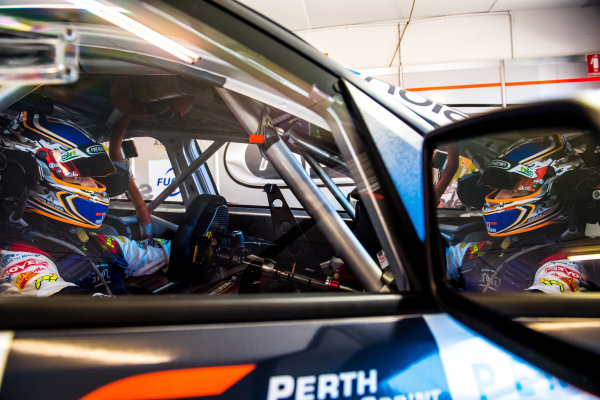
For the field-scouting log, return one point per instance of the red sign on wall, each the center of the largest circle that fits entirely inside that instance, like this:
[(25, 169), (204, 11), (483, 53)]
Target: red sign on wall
[(593, 65)]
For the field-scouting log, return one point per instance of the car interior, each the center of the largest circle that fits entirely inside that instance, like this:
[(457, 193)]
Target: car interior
[(120, 89)]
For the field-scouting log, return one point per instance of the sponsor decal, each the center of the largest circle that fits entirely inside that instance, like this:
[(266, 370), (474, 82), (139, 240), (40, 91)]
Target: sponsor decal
[(99, 218), (104, 271), (572, 283), (486, 279), (565, 263), (49, 278), (174, 384), (436, 112), (489, 226), (95, 149), (538, 213), (552, 282), (526, 171), (23, 278), (406, 368), (382, 258), (24, 265), (166, 180), (155, 242), (14, 257), (108, 243), (69, 155), (558, 269), (501, 164), (433, 394), (160, 176), (48, 201), (11, 278), (476, 250), (350, 384), (333, 386)]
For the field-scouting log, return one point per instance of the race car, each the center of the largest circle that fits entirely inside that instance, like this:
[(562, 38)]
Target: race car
[(291, 187)]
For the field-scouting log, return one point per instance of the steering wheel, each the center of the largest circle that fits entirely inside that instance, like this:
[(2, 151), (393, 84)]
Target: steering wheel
[(197, 219)]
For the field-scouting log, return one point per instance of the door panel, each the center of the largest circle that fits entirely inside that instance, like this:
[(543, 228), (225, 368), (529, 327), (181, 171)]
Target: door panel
[(412, 357)]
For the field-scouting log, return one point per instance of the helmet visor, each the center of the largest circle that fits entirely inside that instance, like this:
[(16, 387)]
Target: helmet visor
[(84, 161), (512, 180)]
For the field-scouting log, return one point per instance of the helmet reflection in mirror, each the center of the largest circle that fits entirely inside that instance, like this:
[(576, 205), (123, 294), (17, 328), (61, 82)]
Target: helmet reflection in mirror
[(521, 179), (66, 186)]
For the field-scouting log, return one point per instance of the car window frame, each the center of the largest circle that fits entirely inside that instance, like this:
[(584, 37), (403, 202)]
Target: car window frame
[(89, 313)]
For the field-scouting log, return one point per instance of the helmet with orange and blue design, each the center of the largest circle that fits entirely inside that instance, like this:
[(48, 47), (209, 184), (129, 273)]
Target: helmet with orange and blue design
[(66, 187), (521, 178)]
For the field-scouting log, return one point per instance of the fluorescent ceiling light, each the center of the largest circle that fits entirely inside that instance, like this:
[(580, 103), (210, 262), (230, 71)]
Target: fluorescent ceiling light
[(584, 257), (115, 16)]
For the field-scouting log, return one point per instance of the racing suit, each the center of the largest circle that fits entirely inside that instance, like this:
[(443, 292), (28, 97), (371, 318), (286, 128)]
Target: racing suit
[(486, 267), (32, 271)]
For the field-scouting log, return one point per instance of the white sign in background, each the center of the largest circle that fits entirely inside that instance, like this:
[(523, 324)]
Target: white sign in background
[(160, 175)]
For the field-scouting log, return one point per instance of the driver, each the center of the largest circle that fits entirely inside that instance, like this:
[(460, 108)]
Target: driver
[(530, 220), (53, 190)]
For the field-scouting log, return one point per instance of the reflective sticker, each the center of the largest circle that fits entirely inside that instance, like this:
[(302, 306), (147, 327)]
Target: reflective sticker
[(383, 262)]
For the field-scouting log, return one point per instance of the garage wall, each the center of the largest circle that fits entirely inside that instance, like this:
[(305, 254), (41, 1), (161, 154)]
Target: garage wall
[(547, 33), (477, 59)]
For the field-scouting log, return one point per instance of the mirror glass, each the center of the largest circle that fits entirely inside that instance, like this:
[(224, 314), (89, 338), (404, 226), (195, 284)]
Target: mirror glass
[(519, 210)]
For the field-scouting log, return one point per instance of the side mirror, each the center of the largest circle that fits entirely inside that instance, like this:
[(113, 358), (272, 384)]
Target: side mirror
[(513, 230)]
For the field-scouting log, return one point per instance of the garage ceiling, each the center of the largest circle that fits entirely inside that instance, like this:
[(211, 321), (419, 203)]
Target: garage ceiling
[(301, 15)]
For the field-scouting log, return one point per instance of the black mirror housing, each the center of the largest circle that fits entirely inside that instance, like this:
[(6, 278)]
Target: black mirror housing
[(500, 316)]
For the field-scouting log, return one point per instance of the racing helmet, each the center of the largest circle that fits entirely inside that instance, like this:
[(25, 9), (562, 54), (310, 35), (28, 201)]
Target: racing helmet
[(65, 187), (521, 178)]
